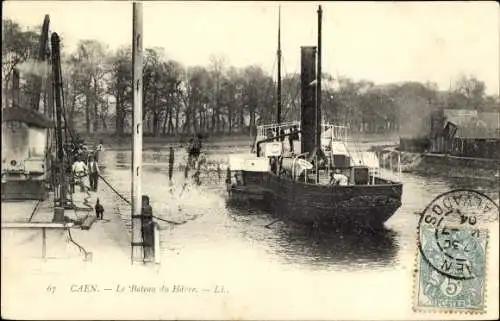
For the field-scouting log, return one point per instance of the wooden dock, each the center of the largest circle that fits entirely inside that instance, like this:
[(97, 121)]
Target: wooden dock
[(28, 230)]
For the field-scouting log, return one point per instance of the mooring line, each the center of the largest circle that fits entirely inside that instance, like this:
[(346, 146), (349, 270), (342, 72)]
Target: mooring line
[(130, 203), (114, 190), (35, 209), (273, 222), (168, 221)]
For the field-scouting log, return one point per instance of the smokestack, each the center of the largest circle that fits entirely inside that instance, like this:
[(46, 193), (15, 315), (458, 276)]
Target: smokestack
[(308, 98), (15, 88)]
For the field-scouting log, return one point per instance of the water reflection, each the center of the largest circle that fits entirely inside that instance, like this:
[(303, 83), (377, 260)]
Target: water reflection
[(344, 249), (121, 158), (323, 247), (231, 226)]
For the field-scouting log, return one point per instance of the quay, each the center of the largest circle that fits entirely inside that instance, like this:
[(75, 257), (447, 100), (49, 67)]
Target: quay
[(28, 231), (32, 228)]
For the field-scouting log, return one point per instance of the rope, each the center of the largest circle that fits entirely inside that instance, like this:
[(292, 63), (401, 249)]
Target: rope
[(168, 221), (77, 245), (35, 209), (86, 199), (130, 203), (114, 190)]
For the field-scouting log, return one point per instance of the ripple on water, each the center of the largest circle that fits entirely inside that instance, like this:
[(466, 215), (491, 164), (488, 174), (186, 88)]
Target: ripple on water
[(214, 232)]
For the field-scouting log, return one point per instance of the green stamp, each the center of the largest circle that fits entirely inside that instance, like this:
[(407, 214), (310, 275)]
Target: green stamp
[(452, 246), (452, 265)]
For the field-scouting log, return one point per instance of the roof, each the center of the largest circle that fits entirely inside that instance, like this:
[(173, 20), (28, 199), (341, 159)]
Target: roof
[(28, 116), (460, 117), (474, 124)]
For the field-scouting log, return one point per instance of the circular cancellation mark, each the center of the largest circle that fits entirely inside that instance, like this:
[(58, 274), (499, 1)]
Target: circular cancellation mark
[(451, 232)]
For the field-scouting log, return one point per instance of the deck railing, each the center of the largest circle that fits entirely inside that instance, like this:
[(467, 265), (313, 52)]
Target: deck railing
[(328, 131)]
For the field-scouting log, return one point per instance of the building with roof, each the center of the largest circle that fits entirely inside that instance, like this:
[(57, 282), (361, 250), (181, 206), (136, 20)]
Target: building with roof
[(467, 133)]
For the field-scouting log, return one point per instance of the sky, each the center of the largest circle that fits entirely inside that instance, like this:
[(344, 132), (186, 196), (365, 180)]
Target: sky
[(382, 42)]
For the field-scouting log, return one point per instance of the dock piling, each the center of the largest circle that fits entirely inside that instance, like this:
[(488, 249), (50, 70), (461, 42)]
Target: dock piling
[(399, 164), (58, 215), (44, 244), (156, 249), (171, 161)]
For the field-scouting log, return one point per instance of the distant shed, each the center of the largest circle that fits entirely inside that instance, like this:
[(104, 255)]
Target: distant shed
[(467, 133)]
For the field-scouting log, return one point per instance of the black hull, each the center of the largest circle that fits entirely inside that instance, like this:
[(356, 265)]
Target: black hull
[(352, 205)]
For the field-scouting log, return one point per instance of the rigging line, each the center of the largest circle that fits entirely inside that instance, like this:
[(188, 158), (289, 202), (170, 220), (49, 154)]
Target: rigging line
[(290, 86), (285, 95), (290, 82), (291, 100)]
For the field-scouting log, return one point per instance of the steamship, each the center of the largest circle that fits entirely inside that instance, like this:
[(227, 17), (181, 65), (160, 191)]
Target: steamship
[(298, 183)]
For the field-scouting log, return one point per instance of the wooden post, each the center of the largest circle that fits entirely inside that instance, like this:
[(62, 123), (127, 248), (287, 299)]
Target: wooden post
[(399, 164), (44, 244), (156, 249), (137, 41), (171, 161)]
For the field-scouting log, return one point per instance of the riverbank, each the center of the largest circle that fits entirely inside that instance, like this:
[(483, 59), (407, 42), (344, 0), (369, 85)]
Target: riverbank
[(441, 165), (124, 142)]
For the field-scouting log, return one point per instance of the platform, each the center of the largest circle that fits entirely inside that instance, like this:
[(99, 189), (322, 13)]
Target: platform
[(28, 230)]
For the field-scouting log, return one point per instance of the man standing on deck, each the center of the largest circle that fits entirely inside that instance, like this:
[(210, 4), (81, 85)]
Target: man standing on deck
[(294, 135), (282, 132), (93, 173)]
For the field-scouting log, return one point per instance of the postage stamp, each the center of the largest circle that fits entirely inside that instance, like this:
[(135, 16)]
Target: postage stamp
[(452, 252)]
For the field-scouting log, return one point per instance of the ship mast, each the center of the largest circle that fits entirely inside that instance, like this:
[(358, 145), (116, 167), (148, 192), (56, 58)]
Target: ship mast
[(318, 93), (278, 113)]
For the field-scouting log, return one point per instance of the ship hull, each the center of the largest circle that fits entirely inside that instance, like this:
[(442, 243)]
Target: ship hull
[(352, 205)]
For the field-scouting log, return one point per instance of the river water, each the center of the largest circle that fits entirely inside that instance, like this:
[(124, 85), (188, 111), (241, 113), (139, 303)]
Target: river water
[(289, 270), (224, 263)]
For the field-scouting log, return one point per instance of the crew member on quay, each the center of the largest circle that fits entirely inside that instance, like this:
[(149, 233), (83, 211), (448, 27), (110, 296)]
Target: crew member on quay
[(79, 170), (93, 173)]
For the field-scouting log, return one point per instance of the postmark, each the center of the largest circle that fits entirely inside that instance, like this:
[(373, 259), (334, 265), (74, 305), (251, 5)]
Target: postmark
[(452, 248)]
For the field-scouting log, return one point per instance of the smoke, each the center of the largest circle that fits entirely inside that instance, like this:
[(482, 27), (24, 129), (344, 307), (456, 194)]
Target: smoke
[(34, 68), (417, 115)]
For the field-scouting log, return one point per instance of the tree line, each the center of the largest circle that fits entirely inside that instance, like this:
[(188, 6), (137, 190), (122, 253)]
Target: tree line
[(217, 98)]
